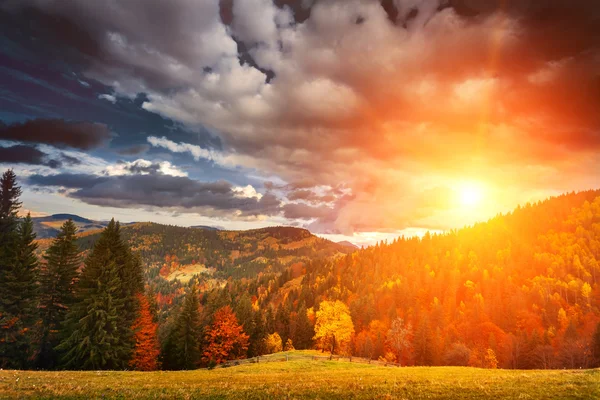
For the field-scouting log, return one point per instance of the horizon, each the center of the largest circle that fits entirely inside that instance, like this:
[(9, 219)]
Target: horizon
[(242, 115), (331, 237)]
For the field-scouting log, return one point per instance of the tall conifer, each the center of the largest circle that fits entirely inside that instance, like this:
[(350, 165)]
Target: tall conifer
[(99, 325), (18, 278), (57, 278)]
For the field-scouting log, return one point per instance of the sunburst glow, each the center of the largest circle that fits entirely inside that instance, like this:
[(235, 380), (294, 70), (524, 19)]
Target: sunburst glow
[(470, 195)]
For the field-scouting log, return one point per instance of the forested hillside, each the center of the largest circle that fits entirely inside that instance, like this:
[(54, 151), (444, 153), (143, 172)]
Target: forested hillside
[(176, 257), (518, 291)]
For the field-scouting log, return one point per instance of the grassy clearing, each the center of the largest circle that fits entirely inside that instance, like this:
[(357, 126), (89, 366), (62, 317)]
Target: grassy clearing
[(306, 379)]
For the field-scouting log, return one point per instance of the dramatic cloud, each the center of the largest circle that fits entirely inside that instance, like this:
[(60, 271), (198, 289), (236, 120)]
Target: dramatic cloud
[(57, 133), (158, 190), (396, 103), (22, 154)]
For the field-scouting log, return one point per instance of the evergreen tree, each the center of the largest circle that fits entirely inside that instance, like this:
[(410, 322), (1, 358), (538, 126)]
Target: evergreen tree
[(245, 314), (187, 332), (10, 299), (20, 298), (57, 278), (304, 330), (257, 336), (423, 344), (98, 327)]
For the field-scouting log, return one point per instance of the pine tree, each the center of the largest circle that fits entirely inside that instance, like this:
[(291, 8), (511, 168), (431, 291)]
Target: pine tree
[(304, 330), (257, 336), (57, 278), (423, 344), (245, 314), (10, 299), (98, 327), (145, 353), (187, 332), (20, 298)]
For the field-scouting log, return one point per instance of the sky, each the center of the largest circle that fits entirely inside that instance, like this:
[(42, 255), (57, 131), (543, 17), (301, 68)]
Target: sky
[(359, 120)]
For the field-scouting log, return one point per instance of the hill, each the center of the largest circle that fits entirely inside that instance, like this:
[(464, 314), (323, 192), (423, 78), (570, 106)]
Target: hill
[(48, 227), (524, 285), (306, 379), (521, 290), (178, 252)]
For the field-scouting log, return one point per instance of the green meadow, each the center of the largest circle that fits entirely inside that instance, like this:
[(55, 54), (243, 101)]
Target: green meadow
[(304, 378)]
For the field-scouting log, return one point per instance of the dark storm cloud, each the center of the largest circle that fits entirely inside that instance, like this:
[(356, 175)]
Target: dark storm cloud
[(23, 154), (66, 180), (162, 191), (58, 133)]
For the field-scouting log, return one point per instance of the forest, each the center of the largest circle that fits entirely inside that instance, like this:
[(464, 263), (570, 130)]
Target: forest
[(519, 291)]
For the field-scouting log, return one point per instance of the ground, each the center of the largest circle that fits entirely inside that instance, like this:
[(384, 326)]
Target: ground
[(304, 378)]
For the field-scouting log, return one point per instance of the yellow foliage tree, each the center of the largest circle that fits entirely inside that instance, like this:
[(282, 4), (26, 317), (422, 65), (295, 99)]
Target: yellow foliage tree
[(334, 326), (289, 345), (489, 360), (273, 343)]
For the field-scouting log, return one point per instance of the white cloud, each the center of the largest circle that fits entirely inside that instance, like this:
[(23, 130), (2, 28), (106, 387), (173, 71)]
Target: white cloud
[(108, 97)]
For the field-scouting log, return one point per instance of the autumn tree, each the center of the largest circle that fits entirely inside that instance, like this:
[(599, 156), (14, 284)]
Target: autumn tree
[(457, 355), (146, 350), (399, 339), (273, 343), (225, 338), (489, 359), (334, 327), (57, 278), (289, 345)]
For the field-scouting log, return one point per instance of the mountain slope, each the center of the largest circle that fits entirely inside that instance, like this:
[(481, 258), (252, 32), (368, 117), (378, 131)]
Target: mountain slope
[(178, 252), (525, 286), (48, 227)]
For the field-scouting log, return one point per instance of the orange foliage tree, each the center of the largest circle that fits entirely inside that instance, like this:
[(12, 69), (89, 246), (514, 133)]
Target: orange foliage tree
[(145, 353), (225, 338)]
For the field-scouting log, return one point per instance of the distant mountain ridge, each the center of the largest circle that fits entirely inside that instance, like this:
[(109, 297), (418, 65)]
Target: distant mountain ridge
[(49, 226), (174, 252)]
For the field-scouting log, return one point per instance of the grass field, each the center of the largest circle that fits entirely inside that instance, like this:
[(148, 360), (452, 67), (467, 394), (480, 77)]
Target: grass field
[(306, 379)]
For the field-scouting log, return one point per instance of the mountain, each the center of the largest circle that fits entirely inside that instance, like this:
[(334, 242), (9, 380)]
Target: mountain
[(174, 252), (521, 290), (210, 228), (48, 226)]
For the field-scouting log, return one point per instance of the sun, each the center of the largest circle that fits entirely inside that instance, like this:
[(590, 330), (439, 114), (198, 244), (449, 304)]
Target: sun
[(470, 195)]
